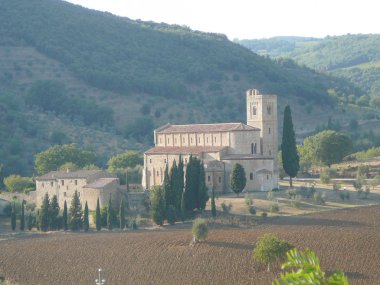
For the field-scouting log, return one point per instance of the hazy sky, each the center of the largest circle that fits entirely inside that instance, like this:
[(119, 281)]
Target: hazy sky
[(253, 18)]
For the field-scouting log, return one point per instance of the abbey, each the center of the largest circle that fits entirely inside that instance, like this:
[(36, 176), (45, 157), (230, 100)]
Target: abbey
[(220, 146)]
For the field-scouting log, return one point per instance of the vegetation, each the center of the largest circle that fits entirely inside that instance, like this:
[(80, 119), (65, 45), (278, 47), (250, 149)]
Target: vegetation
[(53, 214), (128, 163), (213, 206), (199, 230), (75, 213), (122, 214), (16, 183), (98, 217), (44, 215), (22, 216), (86, 223), (238, 179), (308, 270), (158, 205), (64, 215), (290, 158), (13, 217)]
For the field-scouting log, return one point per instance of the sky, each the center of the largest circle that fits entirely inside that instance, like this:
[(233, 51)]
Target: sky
[(252, 19)]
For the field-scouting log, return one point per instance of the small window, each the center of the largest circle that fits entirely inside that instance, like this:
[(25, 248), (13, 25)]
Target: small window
[(165, 160), (267, 177), (269, 130), (67, 187), (191, 140), (253, 111), (214, 139), (270, 152), (51, 184), (150, 160), (76, 182), (168, 141), (199, 140), (64, 194), (220, 179), (208, 178), (158, 173), (251, 176), (63, 182), (269, 110), (207, 140)]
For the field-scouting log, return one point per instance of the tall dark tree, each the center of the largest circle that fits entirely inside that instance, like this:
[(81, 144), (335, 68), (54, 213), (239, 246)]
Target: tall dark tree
[(44, 217), (22, 216), (158, 205), (191, 187), (183, 212), (238, 179), (30, 221), (122, 214), (53, 213), (86, 223), (75, 213), (13, 216), (98, 217), (290, 157), (167, 188), (202, 189), (181, 183), (175, 188), (64, 217), (213, 205), (109, 215)]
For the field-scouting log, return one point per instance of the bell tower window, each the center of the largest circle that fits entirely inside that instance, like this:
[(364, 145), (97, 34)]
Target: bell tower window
[(254, 111), (269, 110)]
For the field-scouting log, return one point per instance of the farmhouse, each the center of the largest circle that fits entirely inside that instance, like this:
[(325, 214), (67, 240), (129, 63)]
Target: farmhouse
[(220, 146), (90, 184)]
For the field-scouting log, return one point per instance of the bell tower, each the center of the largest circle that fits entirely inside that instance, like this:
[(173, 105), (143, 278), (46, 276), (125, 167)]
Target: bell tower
[(262, 114)]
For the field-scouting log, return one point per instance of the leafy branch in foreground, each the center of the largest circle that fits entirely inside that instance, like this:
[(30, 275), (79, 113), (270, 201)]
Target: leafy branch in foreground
[(308, 270)]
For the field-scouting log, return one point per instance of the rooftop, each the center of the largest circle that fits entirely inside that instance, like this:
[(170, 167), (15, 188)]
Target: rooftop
[(68, 174), (184, 149), (204, 128), (101, 182)]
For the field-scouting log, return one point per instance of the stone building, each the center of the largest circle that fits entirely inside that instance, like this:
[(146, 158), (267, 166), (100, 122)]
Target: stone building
[(90, 184), (253, 145)]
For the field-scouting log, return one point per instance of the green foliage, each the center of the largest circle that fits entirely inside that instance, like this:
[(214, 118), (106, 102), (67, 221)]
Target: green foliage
[(319, 198), (22, 216), (122, 214), (13, 217), (64, 216), (16, 183), (226, 208), (199, 230), (308, 270), (213, 205), (52, 158), (171, 215), (44, 218), (158, 206), (86, 223), (369, 153), (127, 159), (31, 221), (290, 158), (98, 217), (53, 213), (238, 179), (269, 249), (274, 208), (110, 213), (252, 210), (75, 213)]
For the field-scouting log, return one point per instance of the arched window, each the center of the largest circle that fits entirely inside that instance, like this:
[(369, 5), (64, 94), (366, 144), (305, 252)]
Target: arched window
[(253, 148), (269, 109), (254, 111)]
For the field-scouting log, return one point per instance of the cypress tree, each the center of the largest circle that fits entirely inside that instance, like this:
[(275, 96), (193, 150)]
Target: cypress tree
[(127, 180), (64, 216), (202, 189), (53, 213), (167, 188), (238, 179), (38, 220), (290, 158), (183, 207), (29, 222), (158, 205), (191, 187), (86, 223), (75, 213), (109, 215), (22, 217), (122, 214), (13, 216), (98, 217), (44, 213), (213, 206), (180, 182)]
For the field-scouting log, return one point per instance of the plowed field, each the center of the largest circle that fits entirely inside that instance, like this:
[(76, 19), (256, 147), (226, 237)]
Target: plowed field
[(346, 239)]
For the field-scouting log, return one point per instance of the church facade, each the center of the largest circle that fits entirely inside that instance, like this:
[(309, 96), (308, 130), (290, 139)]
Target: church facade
[(253, 145)]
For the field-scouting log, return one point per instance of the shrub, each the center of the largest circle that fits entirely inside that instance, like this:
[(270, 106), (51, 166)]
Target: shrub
[(292, 193), (264, 215), (336, 187), (274, 208), (252, 210), (248, 199), (226, 208), (296, 202), (269, 249), (270, 196), (319, 198), (325, 176), (199, 230)]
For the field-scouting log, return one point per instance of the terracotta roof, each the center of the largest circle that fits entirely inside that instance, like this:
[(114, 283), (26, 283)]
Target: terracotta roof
[(101, 182), (204, 128), (68, 174), (184, 149)]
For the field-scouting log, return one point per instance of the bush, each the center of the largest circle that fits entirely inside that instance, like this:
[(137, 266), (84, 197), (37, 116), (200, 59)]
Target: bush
[(292, 193), (296, 202), (274, 208), (226, 208), (336, 187), (264, 215), (319, 198), (199, 230), (252, 210), (15, 183), (248, 199)]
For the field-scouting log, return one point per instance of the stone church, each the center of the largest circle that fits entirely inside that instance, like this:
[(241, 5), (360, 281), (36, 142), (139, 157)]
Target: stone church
[(253, 145)]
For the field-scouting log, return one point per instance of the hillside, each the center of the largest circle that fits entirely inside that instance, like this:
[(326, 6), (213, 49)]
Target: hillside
[(70, 74), (354, 57)]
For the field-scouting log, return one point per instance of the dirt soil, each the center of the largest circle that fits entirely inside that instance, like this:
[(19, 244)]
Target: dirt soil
[(345, 239)]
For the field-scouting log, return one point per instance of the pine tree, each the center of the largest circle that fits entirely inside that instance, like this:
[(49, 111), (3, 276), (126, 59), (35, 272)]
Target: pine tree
[(238, 179), (290, 158), (64, 216), (202, 189), (98, 217), (109, 214), (22, 216), (75, 213), (86, 223), (213, 206), (13, 216), (122, 214), (158, 205), (44, 217), (53, 213)]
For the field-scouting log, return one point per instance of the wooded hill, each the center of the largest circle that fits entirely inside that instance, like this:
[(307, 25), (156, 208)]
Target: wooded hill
[(70, 74)]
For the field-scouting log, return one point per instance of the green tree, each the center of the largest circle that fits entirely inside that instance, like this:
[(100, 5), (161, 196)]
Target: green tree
[(169, 197), (64, 217), (175, 188), (308, 270), (54, 157), (86, 223), (199, 230), (30, 221), (269, 249), (183, 207), (53, 213), (158, 205), (22, 216), (171, 215), (14, 183), (122, 214), (98, 217), (238, 179), (13, 216), (191, 187), (290, 158), (202, 188), (44, 218), (109, 215), (127, 159), (75, 213), (181, 184), (213, 206)]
